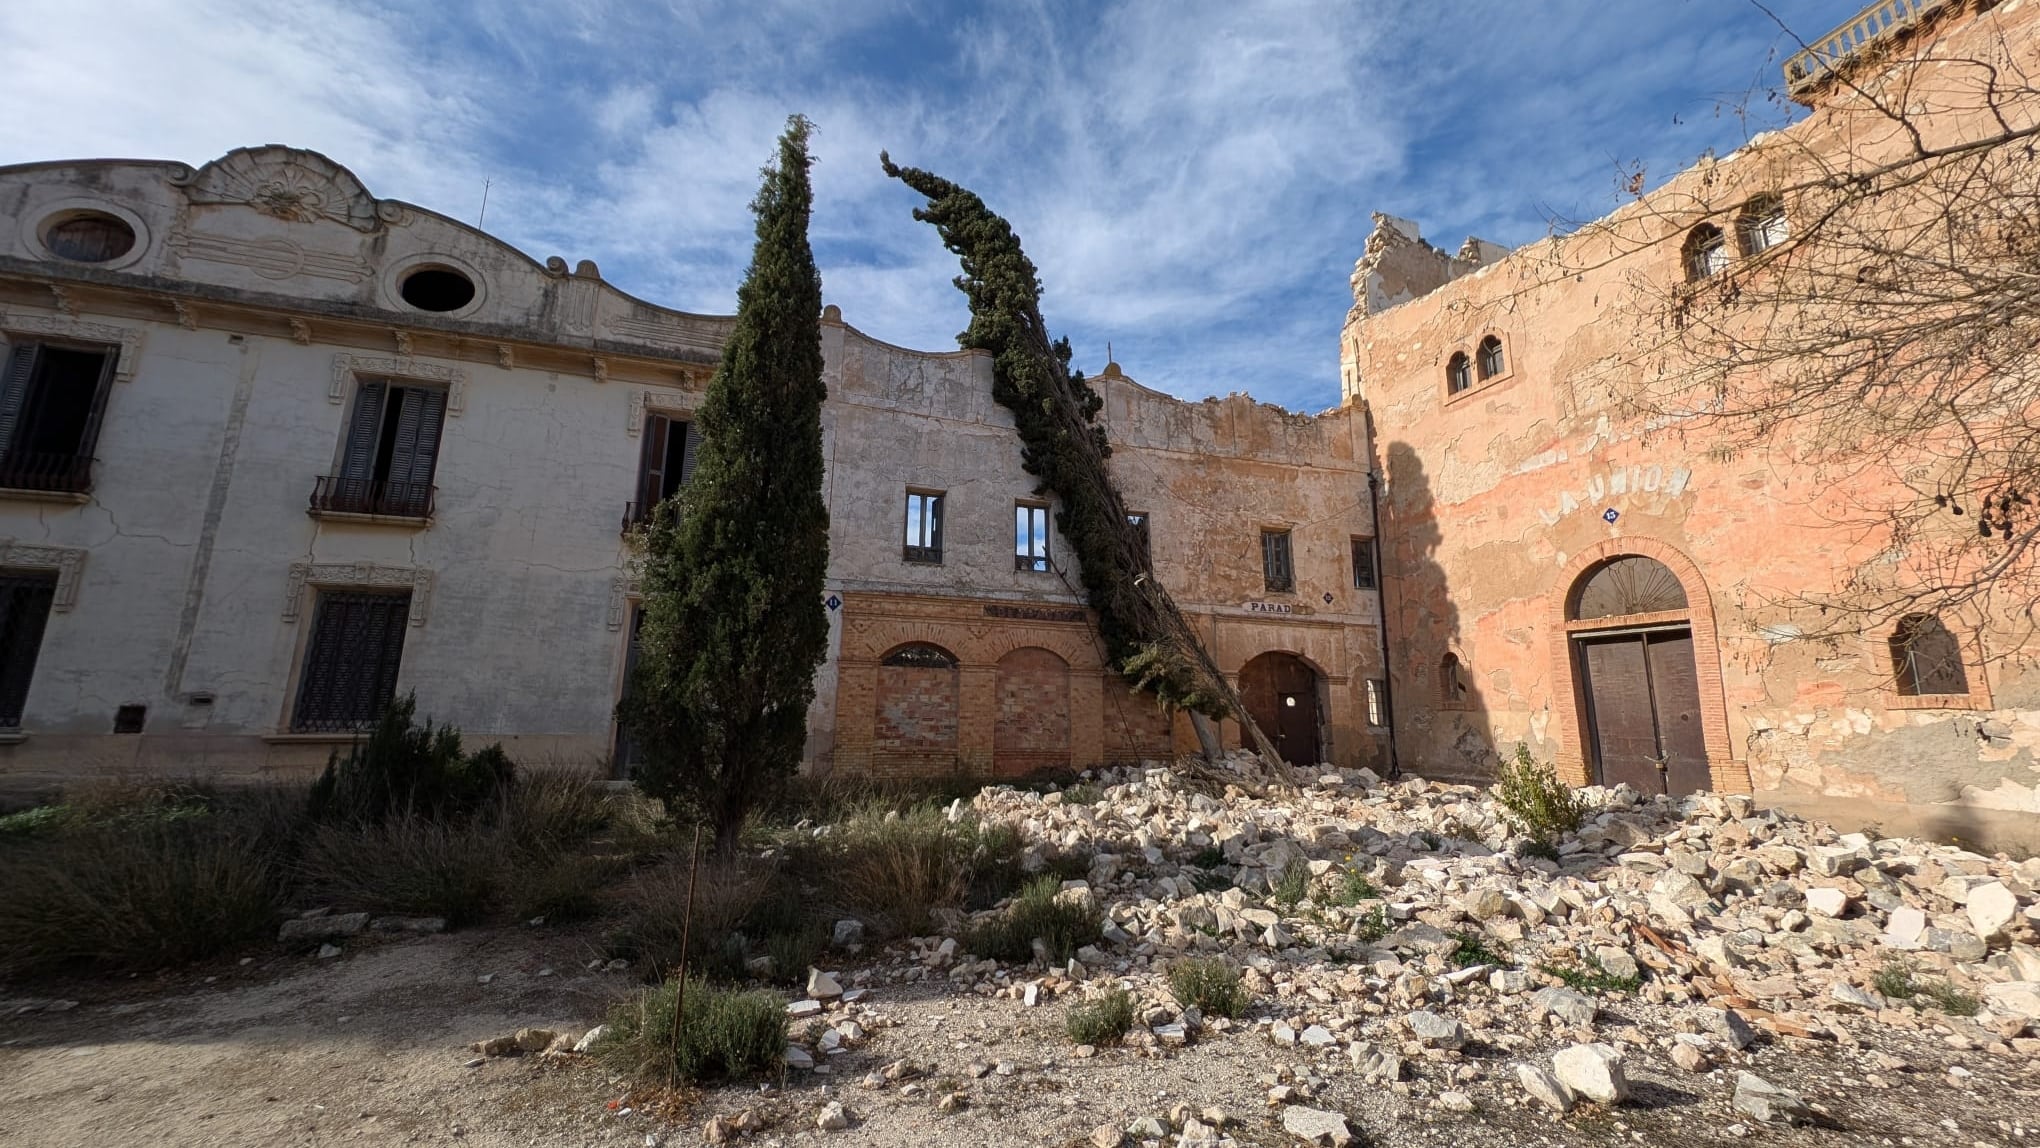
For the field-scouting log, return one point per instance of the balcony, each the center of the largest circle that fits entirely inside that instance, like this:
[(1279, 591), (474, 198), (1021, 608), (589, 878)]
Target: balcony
[(66, 477), (635, 514), (409, 503), (1880, 22)]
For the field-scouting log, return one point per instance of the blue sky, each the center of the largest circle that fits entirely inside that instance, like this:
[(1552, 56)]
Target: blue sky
[(1194, 179)]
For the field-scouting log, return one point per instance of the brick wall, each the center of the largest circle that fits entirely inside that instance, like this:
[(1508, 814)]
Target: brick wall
[(1136, 727), (1033, 731), (916, 728)]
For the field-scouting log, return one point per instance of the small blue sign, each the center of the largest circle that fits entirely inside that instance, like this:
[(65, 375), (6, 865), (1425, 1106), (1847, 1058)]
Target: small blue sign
[(832, 602), (1610, 515), (1328, 599)]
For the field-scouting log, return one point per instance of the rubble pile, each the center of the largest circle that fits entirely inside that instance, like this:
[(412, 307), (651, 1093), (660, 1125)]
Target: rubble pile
[(1382, 927)]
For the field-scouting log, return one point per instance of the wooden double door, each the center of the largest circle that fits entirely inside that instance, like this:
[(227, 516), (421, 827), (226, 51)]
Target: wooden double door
[(1281, 692), (1642, 693)]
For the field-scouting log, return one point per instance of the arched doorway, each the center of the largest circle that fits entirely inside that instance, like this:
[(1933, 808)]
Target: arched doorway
[(1033, 729), (1281, 692), (1630, 633)]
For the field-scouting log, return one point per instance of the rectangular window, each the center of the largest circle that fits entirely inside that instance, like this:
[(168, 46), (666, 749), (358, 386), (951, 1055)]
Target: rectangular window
[(665, 463), (1030, 537), (625, 755), (25, 598), (1364, 577), (1143, 554), (51, 401), (351, 660), (1276, 570), (924, 526), (392, 448), (1377, 703)]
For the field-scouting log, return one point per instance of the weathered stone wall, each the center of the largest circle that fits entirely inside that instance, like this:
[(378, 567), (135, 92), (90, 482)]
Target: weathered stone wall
[(1499, 498)]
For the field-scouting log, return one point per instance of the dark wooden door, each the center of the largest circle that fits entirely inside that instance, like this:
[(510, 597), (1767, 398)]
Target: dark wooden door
[(1281, 693), (1643, 710)]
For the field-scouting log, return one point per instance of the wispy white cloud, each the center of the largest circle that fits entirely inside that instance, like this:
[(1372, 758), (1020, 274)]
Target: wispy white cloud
[(1193, 177)]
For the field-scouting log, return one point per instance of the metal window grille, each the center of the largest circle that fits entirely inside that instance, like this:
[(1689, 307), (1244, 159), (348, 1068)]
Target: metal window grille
[(1030, 538), (1491, 362), (1927, 658), (1458, 373), (52, 399), (1276, 570), (351, 661), (1364, 577), (25, 599), (924, 527)]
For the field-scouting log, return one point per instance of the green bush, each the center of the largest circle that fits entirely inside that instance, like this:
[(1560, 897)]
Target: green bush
[(724, 1034), (409, 864), (1354, 887), (743, 909), (141, 896), (1536, 802), (1209, 985), (404, 769), (1293, 885), (1591, 976), (1037, 913), (1102, 1020), (1469, 949), (1374, 924), (1899, 980)]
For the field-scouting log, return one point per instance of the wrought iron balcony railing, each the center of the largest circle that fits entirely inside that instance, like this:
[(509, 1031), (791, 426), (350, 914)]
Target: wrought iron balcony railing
[(334, 495), (61, 473), (1878, 22)]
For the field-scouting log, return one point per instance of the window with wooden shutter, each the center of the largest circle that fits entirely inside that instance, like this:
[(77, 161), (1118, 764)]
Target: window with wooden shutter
[(1276, 571), (25, 598), (1363, 564), (52, 400), (391, 452), (351, 660), (665, 464)]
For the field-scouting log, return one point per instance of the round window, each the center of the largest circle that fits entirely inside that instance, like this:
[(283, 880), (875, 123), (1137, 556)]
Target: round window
[(89, 237), (437, 289)]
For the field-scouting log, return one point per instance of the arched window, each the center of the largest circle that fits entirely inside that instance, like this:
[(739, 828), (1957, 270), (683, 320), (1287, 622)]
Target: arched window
[(1625, 585), (1491, 357), (1458, 373), (1706, 252), (1451, 681), (1761, 226), (921, 654), (1926, 658)]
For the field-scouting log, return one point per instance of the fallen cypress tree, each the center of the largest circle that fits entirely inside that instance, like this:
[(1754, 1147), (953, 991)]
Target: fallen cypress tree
[(1055, 411)]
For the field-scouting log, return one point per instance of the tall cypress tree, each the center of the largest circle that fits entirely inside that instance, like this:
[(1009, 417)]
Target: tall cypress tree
[(733, 567)]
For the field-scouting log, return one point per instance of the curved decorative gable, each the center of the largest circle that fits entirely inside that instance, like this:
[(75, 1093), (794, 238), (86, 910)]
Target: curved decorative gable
[(290, 184)]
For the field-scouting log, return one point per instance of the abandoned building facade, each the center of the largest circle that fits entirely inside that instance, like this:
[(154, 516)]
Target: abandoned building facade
[(276, 450)]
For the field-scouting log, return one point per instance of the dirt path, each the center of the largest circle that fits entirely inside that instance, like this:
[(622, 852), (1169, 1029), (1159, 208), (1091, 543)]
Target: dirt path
[(370, 1048)]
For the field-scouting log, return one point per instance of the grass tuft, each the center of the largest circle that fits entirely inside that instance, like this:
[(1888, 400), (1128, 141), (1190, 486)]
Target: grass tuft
[(724, 1035), (1064, 926), (1101, 1021), (1209, 985), (1294, 884), (1591, 976)]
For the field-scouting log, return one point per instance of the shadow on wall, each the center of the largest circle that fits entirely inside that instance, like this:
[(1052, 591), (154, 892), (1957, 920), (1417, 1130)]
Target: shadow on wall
[(1442, 727)]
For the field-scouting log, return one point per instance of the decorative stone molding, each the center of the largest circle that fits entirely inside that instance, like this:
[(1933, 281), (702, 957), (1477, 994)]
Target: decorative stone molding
[(621, 591), (346, 366), (67, 561), (128, 339), (643, 399), (290, 184), (303, 574)]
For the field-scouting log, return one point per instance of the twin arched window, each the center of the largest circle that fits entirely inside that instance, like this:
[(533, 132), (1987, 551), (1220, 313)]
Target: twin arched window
[(1759, 226), (1706, 252), (1458, 373), (1490, 357), (1926, 658), (1488, 361)]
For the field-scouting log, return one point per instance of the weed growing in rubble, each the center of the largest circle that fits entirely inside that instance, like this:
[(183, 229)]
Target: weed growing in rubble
[(1541, 806), (1084, 793), (724, 1034), (1293, 885), (1471, 949), (1209, 985), (1354, 888), (1102, 1020), (1373, 925), (1062, 925), (1593, 977), (1898, 980), (1894, 981)]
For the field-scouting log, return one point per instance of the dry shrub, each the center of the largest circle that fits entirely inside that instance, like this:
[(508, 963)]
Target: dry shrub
[(409, 864), (552, 809), (744, 908), (724, 1034), (1063, 926), (1209, 985)]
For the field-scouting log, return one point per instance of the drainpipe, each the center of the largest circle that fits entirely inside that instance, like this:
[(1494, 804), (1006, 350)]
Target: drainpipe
[(1381, 601)]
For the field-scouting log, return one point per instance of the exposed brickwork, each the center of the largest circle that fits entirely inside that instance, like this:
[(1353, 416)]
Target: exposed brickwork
[(1033, 731), (916, 727)]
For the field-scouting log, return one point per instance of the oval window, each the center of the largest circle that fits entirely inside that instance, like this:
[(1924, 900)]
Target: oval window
[(437, 289), (89, 237)]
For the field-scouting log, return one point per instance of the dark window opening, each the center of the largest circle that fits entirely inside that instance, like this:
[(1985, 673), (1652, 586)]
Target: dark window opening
[(1377, 708), (1143, 553), (25, 599), (1030, 537), (1491, 363), (1451, 679), (130, 719), (92, 237), (625, 753), (1706, 252), (437, 289), (1458, 373), (921, 654), (51, 402), (351, 660), (1926, 658), (1277, 572), (924, 526), (1364, 577), (1762, 224), (666, 463), (391, 451)]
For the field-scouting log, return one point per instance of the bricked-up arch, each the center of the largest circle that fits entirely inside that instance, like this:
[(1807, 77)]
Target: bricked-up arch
[(915, 732), (1033, 731), (1568, 701)]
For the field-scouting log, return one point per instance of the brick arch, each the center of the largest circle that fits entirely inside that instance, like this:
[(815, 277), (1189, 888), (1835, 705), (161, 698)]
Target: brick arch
[(1323, 674), (1569, 703), (1032, 730), (1076, 650)]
